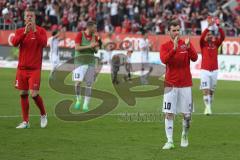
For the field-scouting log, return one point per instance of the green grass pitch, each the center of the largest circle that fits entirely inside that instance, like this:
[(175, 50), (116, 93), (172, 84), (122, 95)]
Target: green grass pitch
[(115, 136)]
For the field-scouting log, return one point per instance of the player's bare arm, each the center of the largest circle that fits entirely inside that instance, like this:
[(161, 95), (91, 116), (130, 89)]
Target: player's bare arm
[(92, 45)]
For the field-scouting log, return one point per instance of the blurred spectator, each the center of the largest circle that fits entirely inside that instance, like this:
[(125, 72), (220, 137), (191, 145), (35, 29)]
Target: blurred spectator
[(49, 13), (82, 23), (127, 25), (128, 16), (7, 14), (153, 15), (114, 12), (108, 26)]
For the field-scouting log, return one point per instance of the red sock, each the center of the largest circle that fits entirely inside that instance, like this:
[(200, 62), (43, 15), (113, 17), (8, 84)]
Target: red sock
[(39, 102), (25, 107)]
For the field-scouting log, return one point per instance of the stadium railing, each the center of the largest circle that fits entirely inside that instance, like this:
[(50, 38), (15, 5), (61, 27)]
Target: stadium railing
[(5, 26)]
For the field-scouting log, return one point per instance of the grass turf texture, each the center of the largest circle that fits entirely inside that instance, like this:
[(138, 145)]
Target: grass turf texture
[(115, 137)]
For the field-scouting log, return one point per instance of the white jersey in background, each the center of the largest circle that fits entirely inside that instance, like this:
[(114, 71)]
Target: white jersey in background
[(54, 52), (107, 58), (144, 49), (128, 59)]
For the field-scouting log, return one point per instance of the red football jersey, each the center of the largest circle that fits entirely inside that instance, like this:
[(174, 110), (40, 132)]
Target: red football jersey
[(177, 63), (209, 50), (30, 47)]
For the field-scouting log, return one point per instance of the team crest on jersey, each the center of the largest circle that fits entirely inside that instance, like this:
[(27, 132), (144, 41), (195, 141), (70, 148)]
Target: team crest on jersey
[(183, 47)]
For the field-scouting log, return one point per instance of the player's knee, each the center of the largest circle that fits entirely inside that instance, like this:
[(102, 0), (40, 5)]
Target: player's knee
[(206, 91), (211, 92), (89, 85), (24, 96), (169, 116), (187, 116), (77, 84), (34, 94), (22, 93)]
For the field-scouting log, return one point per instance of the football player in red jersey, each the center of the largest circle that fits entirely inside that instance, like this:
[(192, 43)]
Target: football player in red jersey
[(211, 39), (176, 54), (30, 40)]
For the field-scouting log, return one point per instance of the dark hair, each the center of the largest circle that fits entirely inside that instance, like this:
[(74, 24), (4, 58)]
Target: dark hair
[(90, 23), (144, 33), (173, 23), (54, 32)]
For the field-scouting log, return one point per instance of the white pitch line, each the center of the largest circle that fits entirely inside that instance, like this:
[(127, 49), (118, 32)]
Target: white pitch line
[(121, 114)]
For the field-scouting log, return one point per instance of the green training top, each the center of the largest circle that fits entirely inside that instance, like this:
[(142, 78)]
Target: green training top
[(85, 56)]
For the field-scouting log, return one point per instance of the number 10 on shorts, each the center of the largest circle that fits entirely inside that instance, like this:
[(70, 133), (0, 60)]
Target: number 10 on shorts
[(167, 105)]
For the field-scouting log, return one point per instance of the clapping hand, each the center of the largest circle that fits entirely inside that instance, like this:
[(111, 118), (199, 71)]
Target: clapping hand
[(27, 28), (187, 42), (175, 41)]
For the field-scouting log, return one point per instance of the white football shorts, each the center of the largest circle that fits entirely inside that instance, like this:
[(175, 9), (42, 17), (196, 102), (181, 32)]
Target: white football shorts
[(84, 73), (208, 79), (177, 100)]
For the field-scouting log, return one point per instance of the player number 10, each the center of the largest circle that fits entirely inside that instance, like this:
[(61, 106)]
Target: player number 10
[(167, 105)]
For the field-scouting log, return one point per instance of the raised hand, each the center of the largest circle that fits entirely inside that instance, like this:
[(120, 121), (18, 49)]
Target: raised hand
[(27, 28), (94, 44), (175, 42), (187, 42)]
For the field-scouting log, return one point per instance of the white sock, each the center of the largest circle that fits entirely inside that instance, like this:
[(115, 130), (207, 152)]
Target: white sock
[(169, 129), (88, 93), (186, 126), (86, 100), (78, 97), (206, 101), (209, 100)]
